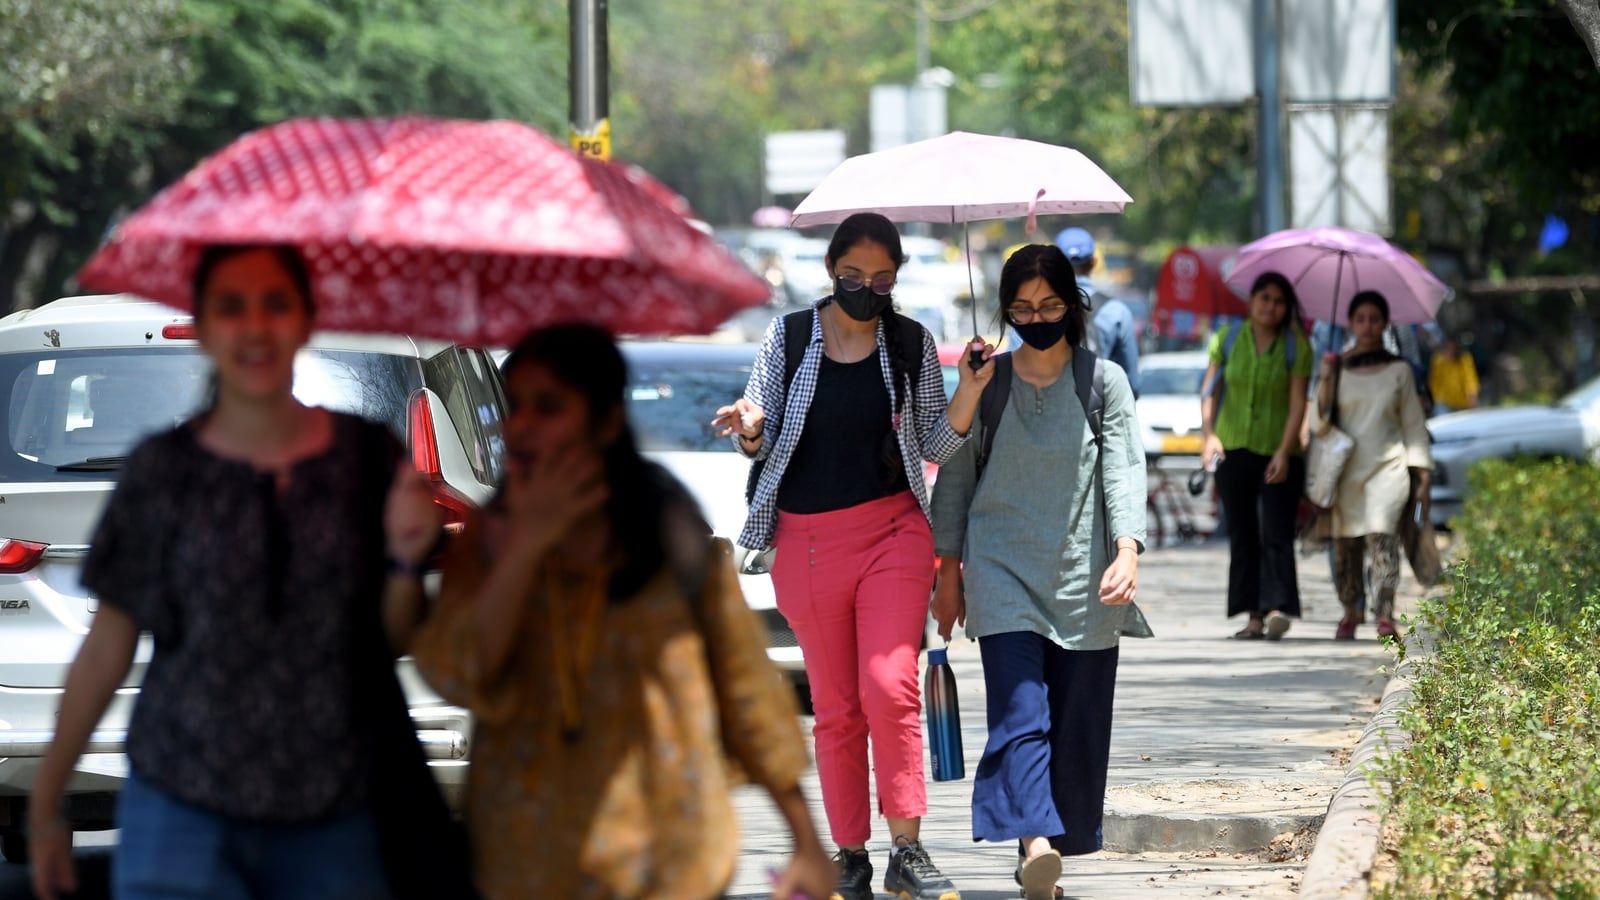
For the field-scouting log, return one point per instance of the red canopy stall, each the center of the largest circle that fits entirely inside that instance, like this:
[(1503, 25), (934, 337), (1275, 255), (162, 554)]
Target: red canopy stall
[(1192, 290)]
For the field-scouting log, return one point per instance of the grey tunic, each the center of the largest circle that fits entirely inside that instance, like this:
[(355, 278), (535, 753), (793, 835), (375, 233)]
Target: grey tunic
[(1032, 534)]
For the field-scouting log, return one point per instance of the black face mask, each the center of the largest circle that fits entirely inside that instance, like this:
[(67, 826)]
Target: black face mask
[(1042, 335), (862, 304)]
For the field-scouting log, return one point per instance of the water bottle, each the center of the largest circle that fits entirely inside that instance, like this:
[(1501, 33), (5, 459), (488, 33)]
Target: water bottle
[(944, 718)]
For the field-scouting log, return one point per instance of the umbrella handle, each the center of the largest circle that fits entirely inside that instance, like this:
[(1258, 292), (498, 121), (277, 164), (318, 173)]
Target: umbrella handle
[(975, 358)]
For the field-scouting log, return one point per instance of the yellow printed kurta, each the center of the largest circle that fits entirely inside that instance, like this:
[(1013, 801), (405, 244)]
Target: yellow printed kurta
[(636, 802)]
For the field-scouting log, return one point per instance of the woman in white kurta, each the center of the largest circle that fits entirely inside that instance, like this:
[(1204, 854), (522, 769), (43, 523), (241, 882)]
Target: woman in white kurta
[(1377, 405)]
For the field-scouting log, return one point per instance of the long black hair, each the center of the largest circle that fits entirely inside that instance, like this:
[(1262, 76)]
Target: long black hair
[(870, 226), (1368, 298), (1048, 262), (586, 359)]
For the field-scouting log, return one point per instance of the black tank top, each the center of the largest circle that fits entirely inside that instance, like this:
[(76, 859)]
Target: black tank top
[(841, 460)]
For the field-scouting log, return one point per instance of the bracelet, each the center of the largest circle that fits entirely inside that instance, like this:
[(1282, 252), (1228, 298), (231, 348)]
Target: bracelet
[(414, 571)]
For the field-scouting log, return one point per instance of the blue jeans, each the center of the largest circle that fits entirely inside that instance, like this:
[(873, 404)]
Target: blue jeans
[(170, 849)]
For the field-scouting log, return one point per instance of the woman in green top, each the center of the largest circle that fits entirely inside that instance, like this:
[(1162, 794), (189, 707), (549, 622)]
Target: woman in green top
[(1252, 443)]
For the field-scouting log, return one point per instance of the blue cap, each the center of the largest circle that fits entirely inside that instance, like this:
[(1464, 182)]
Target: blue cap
[(936, 656), (1077, 244)]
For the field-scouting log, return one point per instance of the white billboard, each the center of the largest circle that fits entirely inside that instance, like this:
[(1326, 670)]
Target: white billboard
[(1337, 51), (904, 114), (797, 161), (1339, 168), (1190, 52)]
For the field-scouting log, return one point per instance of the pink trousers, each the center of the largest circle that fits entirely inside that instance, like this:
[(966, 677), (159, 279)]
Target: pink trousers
[(854, 585)]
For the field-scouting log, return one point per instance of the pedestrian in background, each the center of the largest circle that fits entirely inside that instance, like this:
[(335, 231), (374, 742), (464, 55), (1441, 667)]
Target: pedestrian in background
[(251, 541), (1251, 408), (609, 659), (1452, 378), (1115, 333), (841, 433), (1039, 558), (1377, 405)]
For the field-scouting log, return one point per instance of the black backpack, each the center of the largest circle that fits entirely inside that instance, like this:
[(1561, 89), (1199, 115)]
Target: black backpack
[(796, 335)]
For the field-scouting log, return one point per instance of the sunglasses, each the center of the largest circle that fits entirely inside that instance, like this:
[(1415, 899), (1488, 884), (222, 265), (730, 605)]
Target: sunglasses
[(880, 286)]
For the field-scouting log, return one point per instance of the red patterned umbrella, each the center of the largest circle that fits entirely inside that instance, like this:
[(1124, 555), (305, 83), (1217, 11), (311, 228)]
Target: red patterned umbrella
[(466, 231)]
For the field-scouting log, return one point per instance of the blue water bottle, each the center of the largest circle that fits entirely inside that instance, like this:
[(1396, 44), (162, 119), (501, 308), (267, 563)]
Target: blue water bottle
[(944, 718)]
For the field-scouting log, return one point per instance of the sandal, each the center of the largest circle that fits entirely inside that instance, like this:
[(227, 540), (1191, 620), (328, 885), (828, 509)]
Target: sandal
[(1277, 625), (1248, 633), (1038, 876), (1346, 630)]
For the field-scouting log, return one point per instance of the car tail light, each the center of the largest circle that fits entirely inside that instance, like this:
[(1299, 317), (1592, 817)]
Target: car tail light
[(424, 444), (17, 557), (179, 332)]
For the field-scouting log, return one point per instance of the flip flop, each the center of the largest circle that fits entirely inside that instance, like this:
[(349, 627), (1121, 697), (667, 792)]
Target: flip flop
[(1038, 876)]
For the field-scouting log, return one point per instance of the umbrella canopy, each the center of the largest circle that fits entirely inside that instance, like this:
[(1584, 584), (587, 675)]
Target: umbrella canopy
[(466, 231), (1328, 266), (963, 177)]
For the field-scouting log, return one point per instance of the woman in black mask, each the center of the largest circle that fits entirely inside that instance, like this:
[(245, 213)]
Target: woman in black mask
[(844, 402), (1039, 558)]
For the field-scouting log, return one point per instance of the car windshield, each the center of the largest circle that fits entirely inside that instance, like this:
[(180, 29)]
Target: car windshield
[(670, 403), (1584, 397), (1154, 381), (78, 413)]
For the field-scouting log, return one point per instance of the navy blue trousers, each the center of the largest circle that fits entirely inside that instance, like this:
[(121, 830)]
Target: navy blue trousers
[(1043, 771)]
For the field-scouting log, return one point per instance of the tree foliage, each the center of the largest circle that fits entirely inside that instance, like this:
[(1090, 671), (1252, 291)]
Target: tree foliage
[(107, 100), (1521, 112)]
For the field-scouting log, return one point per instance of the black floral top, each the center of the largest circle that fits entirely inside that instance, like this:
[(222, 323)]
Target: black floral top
[(260, 602)]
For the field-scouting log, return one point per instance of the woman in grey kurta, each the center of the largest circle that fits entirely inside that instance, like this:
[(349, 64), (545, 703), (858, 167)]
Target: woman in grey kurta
[(1374, 396), (1040, 560)]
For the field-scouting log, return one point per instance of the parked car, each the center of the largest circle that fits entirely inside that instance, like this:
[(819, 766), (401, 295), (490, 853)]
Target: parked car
[(674, 387), (84, 379), (1568, 428), (1169, 402)]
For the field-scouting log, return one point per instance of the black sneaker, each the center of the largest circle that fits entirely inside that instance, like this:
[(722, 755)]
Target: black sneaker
[(911, 875), (855, 875)]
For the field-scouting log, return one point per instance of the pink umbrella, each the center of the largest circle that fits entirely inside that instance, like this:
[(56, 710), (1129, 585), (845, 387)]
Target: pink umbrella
[(466, 231), (1328, 266), (771, 217), (963, 177)]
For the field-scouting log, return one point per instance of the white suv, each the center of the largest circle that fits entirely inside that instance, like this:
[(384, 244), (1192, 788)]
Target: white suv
[(71, 420)]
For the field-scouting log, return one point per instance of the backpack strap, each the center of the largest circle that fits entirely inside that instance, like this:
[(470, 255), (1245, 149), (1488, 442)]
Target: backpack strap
[(991, 405), (1089, 377)]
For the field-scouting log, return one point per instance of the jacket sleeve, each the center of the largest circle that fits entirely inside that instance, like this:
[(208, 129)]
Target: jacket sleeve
[(766, 388), (760, 722)]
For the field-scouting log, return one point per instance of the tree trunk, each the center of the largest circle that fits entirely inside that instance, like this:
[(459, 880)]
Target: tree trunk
[(1585, 16), (14, 252)]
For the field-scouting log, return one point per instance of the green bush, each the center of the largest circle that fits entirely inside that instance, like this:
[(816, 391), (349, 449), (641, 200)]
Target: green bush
[(1497, 793)]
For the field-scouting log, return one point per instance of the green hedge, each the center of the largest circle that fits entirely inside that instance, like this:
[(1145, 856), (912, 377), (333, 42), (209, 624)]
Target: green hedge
[(1498, 792)]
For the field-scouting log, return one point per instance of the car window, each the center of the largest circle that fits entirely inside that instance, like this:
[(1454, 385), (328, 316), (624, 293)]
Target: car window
[(71, 408), (670, 404), (459, 378), (1153, 381)]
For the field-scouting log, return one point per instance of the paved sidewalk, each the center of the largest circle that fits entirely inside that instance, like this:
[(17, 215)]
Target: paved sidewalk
[(1224, 753)]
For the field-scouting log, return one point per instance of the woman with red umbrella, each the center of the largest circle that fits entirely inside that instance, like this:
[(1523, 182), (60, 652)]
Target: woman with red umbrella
[(270, 720)]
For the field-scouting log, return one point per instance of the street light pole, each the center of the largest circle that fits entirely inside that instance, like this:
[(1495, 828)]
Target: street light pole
[(1269, 123), (588, 108)]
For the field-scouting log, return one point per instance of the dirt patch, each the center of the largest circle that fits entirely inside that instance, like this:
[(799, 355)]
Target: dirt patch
[(1223, 797)]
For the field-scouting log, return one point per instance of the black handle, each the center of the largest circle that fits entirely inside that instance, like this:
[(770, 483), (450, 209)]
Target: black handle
[(975, 359)]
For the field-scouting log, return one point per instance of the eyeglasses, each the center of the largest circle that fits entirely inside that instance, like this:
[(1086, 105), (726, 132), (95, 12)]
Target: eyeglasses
[(1023, 314), (880, 286)]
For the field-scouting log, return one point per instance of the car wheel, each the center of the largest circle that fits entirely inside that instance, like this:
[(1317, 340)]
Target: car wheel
[(14, 845)]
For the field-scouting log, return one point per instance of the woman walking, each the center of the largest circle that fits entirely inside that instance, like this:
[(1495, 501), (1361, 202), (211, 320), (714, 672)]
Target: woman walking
[(1039, 557), (1374, 396), (270, 716), (840, 434), (1251, 408), (609, 659)]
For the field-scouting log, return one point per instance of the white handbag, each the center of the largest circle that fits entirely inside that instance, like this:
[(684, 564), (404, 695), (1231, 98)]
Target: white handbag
[(1325, 462)]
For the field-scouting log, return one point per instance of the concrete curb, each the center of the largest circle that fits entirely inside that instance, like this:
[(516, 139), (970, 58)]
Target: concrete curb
[(1340, 865), (1139, 833)]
